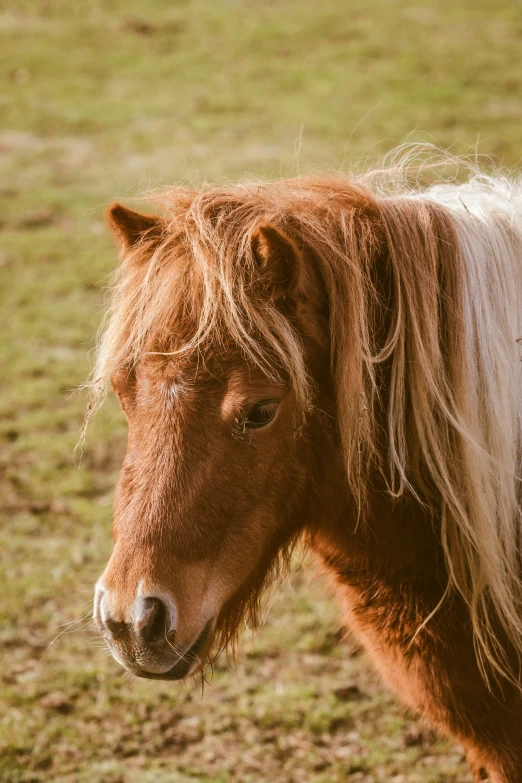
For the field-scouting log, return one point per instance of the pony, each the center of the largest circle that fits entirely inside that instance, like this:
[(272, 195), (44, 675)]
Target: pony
[(329, 359)]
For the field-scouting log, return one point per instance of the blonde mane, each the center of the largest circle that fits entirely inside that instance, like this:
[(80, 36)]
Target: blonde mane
[(453, 418)]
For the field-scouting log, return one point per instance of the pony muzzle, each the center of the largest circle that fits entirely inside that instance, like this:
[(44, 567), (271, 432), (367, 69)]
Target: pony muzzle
[(142, 634)]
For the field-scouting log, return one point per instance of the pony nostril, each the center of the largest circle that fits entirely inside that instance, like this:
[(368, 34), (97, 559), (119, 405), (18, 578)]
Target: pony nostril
[(153, 620), (114, 627)]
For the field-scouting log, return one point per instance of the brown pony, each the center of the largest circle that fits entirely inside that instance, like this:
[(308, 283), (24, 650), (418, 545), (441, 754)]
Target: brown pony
[(320, 359)]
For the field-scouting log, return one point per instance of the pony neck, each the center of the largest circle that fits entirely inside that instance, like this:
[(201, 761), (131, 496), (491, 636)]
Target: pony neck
[(395, 539)]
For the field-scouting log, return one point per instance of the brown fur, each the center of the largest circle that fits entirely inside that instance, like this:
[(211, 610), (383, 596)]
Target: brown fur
[(208, 511)]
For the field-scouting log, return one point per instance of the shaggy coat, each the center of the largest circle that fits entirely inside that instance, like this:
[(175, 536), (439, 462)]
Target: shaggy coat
[(328, 359)]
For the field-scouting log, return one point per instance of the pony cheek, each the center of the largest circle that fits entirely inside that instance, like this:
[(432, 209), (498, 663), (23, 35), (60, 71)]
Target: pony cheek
[(242, 552)]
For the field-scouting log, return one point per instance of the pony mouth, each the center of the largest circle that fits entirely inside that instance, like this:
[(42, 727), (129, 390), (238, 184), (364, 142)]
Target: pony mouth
[(188, 661)]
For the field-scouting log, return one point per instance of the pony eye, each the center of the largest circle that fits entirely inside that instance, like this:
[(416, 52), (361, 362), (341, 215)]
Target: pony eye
[(261, 414)]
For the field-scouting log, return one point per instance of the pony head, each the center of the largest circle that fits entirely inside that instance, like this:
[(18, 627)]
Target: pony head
[(216, 346)]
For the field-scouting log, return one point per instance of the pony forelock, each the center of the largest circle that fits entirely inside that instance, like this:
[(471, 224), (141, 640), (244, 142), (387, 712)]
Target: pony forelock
[(453, 410)]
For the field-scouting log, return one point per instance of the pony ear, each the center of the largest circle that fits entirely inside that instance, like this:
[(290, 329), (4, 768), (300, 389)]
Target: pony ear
[(278, 259), (129, 227)]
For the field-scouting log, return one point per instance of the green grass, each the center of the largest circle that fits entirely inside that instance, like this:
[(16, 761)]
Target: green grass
[(102, 99)]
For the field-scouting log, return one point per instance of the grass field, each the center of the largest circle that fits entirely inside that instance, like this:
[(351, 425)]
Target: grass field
[(102, 99)]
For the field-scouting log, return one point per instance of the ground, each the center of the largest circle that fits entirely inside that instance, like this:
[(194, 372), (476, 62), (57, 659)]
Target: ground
[(105, 99)]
